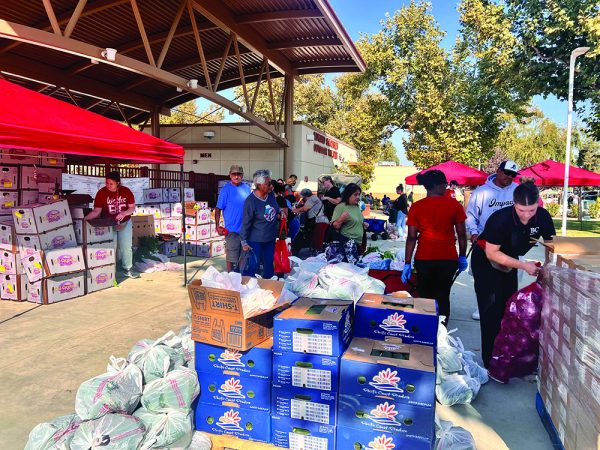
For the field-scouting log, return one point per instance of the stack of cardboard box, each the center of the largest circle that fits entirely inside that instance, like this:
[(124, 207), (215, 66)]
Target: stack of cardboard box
[(201, 234), (309, 340), (569, 362)]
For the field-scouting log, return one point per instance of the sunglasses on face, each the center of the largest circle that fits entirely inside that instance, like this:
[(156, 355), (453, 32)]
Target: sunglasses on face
[(508, 173)]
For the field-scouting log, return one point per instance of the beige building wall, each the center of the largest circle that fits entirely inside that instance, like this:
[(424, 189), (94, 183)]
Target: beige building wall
[(386, 178)]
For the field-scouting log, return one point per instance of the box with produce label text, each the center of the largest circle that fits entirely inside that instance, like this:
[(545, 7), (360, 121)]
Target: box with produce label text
[(217, 247), (65, 260), (93, 235), (189, 248), (35, 292), (317, 326), (171, 194), (379, 414), (8, 235), (10, 263), (8, 201), (154, 195), (8, 178), (306, 371), (13, 287), (63, 287), (34, 267), (28, 245), (305, 404), (170, 226), (189, 195), (97, 255), (176, 210), (31, 176), (169, 248), (165, 211), (100, 278), (414, 320), (244, 392), (203, 249), (254, 363), (49, 159), (249, 424), (402, 372), (60, 238), (18, 156), (203, 232), (46, 188), (295, 434), (218, 316), (28, 197), (38, 218), (350, 438)]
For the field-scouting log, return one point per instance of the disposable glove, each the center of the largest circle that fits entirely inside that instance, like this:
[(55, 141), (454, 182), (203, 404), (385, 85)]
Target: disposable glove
[(463, 264), (406, 273)]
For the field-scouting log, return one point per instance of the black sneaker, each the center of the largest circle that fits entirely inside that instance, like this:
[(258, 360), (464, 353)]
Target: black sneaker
[(130, 274)]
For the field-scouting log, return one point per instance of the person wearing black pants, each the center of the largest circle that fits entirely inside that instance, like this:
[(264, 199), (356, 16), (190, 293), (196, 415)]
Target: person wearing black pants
[(509, 233), (434, 222)]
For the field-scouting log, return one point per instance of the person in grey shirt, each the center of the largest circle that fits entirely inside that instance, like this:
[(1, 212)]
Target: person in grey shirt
[(260, 225)]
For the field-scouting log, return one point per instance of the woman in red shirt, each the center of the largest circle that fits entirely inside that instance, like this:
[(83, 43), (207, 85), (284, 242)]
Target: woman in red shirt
[(433, 222)]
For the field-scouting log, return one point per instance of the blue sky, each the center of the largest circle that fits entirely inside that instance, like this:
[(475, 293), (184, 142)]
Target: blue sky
[(360, 16)]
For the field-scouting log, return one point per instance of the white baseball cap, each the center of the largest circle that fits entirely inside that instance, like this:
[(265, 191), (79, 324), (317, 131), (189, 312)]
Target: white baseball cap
[(509, 166)]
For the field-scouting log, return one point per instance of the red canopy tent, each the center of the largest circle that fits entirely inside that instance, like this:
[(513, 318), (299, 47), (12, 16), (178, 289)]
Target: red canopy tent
[(552, 173), (463, 174), (33, 121)]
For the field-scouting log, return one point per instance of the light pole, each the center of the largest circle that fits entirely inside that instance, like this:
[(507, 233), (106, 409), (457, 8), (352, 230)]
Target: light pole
[(574, 54)]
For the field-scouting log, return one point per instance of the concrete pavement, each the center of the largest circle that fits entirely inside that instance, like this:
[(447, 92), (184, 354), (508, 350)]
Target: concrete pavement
[(47, 352)]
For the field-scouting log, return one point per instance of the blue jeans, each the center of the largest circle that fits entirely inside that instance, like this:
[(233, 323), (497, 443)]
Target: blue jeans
[(125, 240), (293, 228), (264, 252), (400, 223)]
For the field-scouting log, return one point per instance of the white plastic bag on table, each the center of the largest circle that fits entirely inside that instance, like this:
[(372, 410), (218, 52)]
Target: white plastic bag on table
[(175, 391), (110, 432), (303, 284), (154, 358), (345, 289), (118, 390), (201, 441), (54, 435), (166, 430), (374, 286), (449, 437), (455, 389)]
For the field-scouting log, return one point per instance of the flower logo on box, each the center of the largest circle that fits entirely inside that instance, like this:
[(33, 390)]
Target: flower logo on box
[(230, 421), (101, 278), (394, 323), (65, 260), (152, 195), (231, 358), (204, 232), (382, 443), (101, 254), (66, 287), (384, 414), (58, 242), (100, 231), (231, 389), (53, 216), (170, 226), (387, 381)]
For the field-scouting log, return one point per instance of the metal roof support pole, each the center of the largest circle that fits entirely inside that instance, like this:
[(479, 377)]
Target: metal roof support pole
[(155, 127), (182, 197), (288, 123)]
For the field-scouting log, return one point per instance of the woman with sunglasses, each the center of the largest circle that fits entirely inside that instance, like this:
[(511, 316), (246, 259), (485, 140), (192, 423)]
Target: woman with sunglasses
[(509, 233)]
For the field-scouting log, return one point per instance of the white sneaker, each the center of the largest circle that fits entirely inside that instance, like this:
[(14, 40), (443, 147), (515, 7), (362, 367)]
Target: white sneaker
[(475, 315)]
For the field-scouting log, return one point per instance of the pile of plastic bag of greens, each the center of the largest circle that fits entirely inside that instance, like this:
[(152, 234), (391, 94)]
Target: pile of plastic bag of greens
[(316, 278), (459, 377), (142, 402), (388, 260), (449, 437), (254, 298)]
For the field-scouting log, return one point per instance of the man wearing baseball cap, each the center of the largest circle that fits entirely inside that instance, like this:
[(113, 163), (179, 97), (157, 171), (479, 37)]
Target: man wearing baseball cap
[(231, 203), (495, 194)]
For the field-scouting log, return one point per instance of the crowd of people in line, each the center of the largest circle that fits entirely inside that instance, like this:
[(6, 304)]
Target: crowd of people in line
[(503, 220)]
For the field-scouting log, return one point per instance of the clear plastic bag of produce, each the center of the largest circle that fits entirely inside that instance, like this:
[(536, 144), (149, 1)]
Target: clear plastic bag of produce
[(110, 432), (449, 437), (345, 289), (54, 435), (201, 441), (473, 369), (455, 389), (516, 348), (175, 391), (171, 429), (303, 283), (118, 390), (156, 358)]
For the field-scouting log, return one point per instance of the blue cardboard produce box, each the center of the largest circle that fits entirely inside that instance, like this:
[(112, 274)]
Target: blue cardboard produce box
[(372, 414), (241, 422), (245, 392), (304, 404), (350, 438), (295, 434), (306, 371), (320, 327), (254, 363), (389, 369), (414, 320)]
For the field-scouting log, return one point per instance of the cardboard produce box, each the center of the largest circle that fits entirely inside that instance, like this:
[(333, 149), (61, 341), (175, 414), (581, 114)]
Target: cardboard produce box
[(299, 403), (317, 326), (254, 363), (10, 263), (217, 247), (154, 195), (218, 316), (414, 320), (60, 238), (31, 176), (169, 248), (38, 218), (94, 235), (350, 438), (142, 226), (64, 287), (13, 287), (203, 232), (46, 199), (171, 194), (302, 434), (249, 424), (28, 245), (100, 278), (34, 267), (101, 254), (66, 260), (165, 210), (203, 249), (402, 372), (8, 200), (47, 188), (245, 392), (9, 178), (306, 371), (49, 159), (189, 195), (170, 226), (176, 210), (18, 156), (190, 248), (191, 208), (8, 235), (35, 292), (28, 197)]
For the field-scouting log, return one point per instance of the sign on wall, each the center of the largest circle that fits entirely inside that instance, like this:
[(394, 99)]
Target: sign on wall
[(83, 184)]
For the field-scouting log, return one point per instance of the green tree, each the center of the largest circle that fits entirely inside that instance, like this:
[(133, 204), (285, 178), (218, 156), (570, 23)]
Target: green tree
[(588, 152), (389, 153), (187, 113)]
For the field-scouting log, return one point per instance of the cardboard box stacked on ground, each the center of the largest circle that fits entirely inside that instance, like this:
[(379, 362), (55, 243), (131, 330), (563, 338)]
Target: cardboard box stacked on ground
[(569, 362), (387, 394), (309, 339), (233, 362)]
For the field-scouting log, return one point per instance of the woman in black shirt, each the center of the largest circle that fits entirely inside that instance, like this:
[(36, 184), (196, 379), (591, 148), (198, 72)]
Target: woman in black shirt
[(400, 207), (509, 233)]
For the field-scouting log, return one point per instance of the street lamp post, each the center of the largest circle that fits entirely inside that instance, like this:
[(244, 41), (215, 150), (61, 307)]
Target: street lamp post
[(574, 54)]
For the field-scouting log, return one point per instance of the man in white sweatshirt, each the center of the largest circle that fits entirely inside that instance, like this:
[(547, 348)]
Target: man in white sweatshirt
[(495, 194)]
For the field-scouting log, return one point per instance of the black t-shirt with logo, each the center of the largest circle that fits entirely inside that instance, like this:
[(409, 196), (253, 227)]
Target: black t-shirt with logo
[(504, 228), (328, 207)]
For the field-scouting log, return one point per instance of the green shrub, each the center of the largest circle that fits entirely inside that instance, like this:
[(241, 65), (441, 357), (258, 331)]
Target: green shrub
[(573, 211), (594, 210), (553, 209)]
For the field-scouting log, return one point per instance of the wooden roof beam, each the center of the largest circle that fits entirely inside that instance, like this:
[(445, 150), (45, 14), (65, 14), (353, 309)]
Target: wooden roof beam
[(273, 16), (325, 41), (217, 13), (342, 64)]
